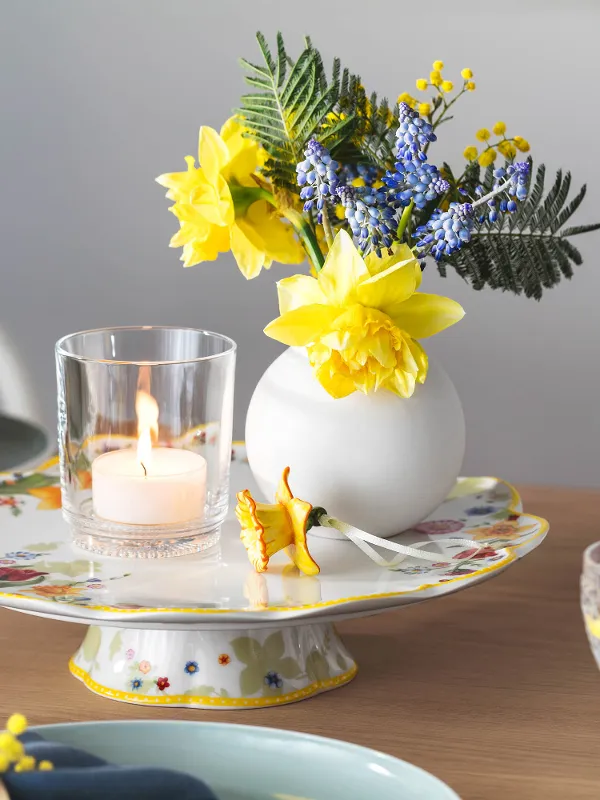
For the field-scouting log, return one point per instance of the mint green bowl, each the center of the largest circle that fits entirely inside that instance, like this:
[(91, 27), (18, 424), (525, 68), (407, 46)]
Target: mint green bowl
[(240, 762)]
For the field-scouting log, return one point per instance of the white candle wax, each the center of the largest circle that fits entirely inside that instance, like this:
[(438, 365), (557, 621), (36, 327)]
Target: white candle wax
[(173, 490)]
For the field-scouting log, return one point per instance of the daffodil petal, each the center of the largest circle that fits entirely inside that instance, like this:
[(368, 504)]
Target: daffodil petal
[(214, 202), (421, 358), (301, 326), (388, 288), (299, 511), (297, 291), (401, 254), (424, 315), (248, 250), (343, 269), (212, 152), (280, 242), (401, 383)]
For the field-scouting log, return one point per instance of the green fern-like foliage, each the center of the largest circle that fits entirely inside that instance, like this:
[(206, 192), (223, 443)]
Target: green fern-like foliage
[(297, 101), (527, 251)]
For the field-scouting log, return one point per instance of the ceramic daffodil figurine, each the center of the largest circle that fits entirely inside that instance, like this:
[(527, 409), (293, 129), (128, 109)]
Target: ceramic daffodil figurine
[(269, 528)]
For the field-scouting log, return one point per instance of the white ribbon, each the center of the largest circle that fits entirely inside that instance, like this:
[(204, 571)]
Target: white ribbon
[(361, 539)]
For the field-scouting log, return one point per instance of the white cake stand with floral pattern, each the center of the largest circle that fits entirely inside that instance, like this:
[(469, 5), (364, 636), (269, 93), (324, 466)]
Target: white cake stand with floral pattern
[(206, 631)]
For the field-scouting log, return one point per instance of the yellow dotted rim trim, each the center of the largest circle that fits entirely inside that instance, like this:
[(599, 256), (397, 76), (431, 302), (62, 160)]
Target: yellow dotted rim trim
[(211, 702)]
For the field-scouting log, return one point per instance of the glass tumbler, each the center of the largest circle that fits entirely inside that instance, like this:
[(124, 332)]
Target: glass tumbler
[(145, 419), (590, 597)]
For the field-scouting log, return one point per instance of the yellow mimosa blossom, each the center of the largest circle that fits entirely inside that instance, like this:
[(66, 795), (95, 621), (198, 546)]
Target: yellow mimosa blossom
[(466, 73), (424, 109), (435, 78), (483, 135), (11, 747), (210, 222), (499, 128), (405, 97), (422, 84), (447, 86), (269, 528), (45, 766), (470, 153), (487, 157), (17, 724), (470, 86), (507, 149), (358, 182), (522, 144), (438, 66), (25, 764), (360, 320)]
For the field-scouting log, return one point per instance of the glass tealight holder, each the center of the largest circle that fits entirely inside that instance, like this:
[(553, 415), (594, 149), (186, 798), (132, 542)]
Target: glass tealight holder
[(145, 421)]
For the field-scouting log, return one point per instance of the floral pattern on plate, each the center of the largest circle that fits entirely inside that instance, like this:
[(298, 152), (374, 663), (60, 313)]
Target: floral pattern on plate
[(40, 566)]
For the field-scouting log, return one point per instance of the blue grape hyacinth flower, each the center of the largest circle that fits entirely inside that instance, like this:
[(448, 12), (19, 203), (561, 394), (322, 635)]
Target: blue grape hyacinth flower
[(370, 215), (317, 174)]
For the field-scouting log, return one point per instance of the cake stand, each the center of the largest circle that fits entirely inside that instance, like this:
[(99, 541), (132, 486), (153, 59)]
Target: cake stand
[(206, 631)]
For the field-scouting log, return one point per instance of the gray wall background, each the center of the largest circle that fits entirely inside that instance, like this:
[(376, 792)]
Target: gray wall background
[(97, 97)]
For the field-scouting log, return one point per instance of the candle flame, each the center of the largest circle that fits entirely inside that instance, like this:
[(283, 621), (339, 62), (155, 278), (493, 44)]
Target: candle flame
[(146, 409)]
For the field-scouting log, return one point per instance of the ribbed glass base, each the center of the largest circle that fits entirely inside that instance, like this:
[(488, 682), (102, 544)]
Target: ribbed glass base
[(141, 541)]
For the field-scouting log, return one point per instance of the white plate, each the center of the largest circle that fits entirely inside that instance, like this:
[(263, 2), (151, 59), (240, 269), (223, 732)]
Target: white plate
[(41, 572)]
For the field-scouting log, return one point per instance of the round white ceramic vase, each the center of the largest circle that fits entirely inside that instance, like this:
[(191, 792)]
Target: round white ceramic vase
[(379, 462)]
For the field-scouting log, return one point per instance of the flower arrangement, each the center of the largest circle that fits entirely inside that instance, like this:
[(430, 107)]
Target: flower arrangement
[(310, 166)]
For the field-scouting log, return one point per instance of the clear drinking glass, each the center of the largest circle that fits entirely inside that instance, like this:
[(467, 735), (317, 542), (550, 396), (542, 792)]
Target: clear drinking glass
[(590, 597), (144, 425)]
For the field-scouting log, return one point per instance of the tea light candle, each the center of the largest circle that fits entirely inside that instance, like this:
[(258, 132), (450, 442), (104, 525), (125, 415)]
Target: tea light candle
[(168, 487)]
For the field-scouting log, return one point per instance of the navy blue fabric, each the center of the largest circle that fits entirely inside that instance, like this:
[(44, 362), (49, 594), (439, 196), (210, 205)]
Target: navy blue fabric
[(80, 776)]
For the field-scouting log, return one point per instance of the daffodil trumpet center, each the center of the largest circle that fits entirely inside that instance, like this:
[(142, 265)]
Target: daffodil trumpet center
[(363, 540)]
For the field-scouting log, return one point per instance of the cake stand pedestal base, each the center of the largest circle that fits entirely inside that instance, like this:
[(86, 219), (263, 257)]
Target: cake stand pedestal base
[(227, 668)]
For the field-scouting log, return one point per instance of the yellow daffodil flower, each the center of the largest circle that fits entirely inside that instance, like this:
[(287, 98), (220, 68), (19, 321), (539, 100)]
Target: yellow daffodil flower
[(210, 221), (424, 109), (466, 73), (267, 528), (447, 86), (360, 320), (470, 86), (422, 84), (499, 128), (438, 66), (522, 144), (487, 157), (470, 153)]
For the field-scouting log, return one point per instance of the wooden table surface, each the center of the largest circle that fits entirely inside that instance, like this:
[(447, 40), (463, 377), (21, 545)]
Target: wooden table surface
[(493, 689)]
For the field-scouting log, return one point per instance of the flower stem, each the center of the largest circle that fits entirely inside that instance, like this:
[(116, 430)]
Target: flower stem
[(306, 236), (327, 229), (404, 220)]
